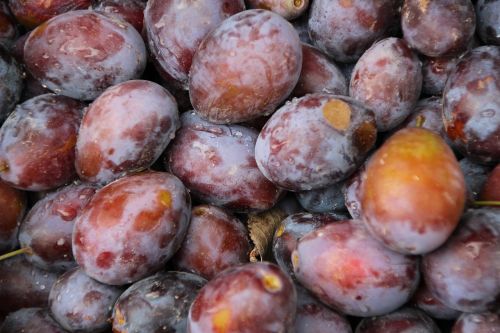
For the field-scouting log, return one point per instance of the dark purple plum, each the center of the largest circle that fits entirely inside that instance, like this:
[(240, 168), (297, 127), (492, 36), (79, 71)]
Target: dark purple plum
[(8, 27), (11, 83), (406, 320), (475, 176), (324, 200), (435, 72), (488, 21), (30, 320), (13, 206)]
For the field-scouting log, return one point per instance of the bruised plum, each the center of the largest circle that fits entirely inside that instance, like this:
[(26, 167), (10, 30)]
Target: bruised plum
[(8, 27), (426, 301), (48, 228), (30, 320), (289, 9), (37, 143), (12, 205), (159, 303), (256, 297), (217, 163), (245, 67), (344, 29), (31, 13), (131, 11), (131, 227), (11, 83), (315, 141), (388, 80), (463, 274), (214, 241), (81, 53), (487, 322), (125, 130), (81, 304), (175, 29), (471, 105), (491, 188), (488, 21), (406, 320)]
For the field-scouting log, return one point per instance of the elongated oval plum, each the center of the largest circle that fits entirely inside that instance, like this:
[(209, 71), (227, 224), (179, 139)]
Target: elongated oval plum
[(387, 79), (405, 320), (81, 53), (125, 130), (289, 9), (48, 227), (175, 29), (471, 104), (11, 83), (256, 297), (37, 143), (463, 273), (245, 67), (348, 270), (413, 169), (344, 29), (315, 141), (13, 206), (131, 11), (159, 303), (131, 227), (30, 320), (487, 322), (217, 163)]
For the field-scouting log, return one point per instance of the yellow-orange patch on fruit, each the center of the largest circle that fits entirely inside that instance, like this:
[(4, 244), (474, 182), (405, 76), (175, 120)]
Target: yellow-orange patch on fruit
[(4, 166), (338, 114), (272, 282), (280, 230), (295, 259), (423, 4), (221, 320), (165, 198), (119, 317), (199, 211), (346, 3)]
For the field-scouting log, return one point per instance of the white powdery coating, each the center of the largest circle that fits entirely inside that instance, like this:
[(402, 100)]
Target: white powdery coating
[(131, 124), (81, 53), (487, 322), (11, 83)]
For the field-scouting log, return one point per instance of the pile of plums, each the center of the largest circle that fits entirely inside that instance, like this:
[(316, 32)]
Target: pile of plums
[(250, 166)]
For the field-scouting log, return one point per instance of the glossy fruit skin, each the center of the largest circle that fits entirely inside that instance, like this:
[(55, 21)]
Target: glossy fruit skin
[(145, 215), (37, 143), (388, 80), (473, 248), (427, 302), (238, 72), (175, 29), (413, 169), (11, 83), (48, 227), (125, 130), (159, 303), (31, 13), (8, 27), (440, 27), (290, 231), (215, 240), (406, 320), (491, 188), (252, 298), (13, 206), (345, 268), (289, 9), (30, 320), (131, 11), (114, 52), (81, 304), (315, 141), (323, 200), (345, 29), (217, 163), (23, 285), (471, 100), (487, 322), (319, 74), (488, 21)]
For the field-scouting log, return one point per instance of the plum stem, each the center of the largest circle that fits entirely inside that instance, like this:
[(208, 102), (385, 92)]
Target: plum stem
[(24, 250), (419, 122), (486, 203)]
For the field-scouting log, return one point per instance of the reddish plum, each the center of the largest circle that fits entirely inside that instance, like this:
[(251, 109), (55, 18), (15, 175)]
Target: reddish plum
[(131, 11), (406, 320), (12, 205), (426, 301), (491, 188)]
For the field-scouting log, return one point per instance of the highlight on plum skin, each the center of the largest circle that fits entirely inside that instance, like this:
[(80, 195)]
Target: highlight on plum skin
[(486, 322)]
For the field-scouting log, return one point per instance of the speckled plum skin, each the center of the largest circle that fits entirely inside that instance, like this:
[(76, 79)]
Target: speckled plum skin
[(175, 29), (23, 285), (81, 53), (406, 320), (30, 320), (125, 130), (487, 322), (13, 206), (439, 27), (315, 141), (159, 303), (131, 227), (289, 9), (256, 297), (471, 104), (344, 29), (48, 228), (31, 13), (215, 240), (388, 80), (37, 143), (463, 273), (323, 200), (319, 74), (426, 301), (245, 67), (491, 187), (345, 268), (414, 168), (11, 83), (8, 27), (217, 163), (488, 21), (131, 11), (290, 231), (81, 304)]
